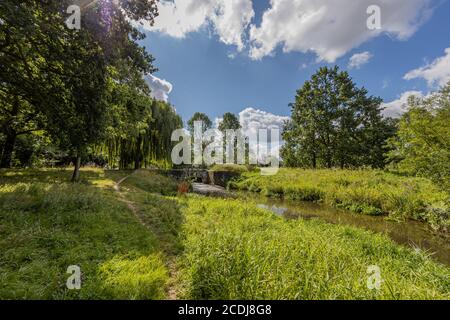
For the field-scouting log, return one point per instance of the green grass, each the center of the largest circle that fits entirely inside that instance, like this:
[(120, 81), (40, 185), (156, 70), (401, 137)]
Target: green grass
[(46, 225), (145, 244), (234, 250), (148, 181), (232, 168), (366, 191)]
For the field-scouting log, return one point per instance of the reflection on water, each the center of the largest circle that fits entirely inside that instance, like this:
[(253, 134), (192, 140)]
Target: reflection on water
[(410, 233)]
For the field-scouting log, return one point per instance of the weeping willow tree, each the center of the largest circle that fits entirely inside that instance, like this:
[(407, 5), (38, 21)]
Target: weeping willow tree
[(140, 131)]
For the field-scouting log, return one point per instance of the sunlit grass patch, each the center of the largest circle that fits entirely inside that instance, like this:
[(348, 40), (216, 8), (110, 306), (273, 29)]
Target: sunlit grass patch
[(234, 250), (152, 182), (47, 226), (139, 278)]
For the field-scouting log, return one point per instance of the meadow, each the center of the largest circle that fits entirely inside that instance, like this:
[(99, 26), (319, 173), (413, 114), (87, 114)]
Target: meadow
[(143, 241), (371, 192), (47, 224)]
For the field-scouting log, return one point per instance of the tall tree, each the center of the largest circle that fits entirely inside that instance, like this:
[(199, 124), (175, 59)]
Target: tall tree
[(229, 121), (334, 124), (32, 43), (198, 116), (422, 144), (64, 73)]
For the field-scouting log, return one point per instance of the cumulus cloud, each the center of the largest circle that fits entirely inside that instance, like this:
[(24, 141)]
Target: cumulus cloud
[(228, 18), (160, 89), (253, 119), (359, 59), (332, 28), (217, 122), (437, 72), (396, 108)]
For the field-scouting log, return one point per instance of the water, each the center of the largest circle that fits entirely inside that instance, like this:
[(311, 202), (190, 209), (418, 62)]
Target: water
[(410, 233)]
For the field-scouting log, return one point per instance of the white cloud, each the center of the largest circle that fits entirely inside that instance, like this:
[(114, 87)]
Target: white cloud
[(160, 89), (437, 72), (253, 119), (229, 18), (331, 28), (359, 59), (396, 108), (217, 122)]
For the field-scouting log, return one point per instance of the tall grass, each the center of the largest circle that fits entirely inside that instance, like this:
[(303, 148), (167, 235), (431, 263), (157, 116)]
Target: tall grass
[(47, 226), (151, 182), (234, 250), (236, 168), (366, 191), (226, 249)]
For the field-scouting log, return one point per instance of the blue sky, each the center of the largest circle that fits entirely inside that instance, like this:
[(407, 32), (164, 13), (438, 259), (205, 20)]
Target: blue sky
[(210, 70)]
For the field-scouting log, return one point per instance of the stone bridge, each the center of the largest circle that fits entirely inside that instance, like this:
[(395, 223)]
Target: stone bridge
[(219, 178)]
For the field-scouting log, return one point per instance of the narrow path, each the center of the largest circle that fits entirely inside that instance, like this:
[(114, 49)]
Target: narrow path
[(171, 266)]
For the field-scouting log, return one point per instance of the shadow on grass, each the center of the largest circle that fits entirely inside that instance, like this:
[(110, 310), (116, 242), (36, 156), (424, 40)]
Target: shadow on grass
[(60, 175)]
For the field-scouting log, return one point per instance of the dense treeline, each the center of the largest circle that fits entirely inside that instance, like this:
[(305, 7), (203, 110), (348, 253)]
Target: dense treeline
[(336, 124), (80, 91), (422, 144)]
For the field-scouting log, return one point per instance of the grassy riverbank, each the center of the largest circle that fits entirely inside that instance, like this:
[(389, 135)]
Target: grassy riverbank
[(364, 191), (143, 242), (234, 250)]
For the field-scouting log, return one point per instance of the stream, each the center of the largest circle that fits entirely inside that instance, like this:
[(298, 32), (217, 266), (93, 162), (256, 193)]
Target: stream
[(414, 234), (410, 233)]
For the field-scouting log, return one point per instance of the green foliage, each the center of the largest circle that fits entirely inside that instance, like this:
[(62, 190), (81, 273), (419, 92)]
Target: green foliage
[(150, 182), (369, 192), (234, 250), (335, 124), (140, 132), (231, 168), (160, 214), (422, 144), (84, 87), (229, 122), (198, 116)]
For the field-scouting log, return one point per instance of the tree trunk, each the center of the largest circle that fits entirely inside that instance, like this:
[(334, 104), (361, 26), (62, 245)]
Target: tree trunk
[(11, 136), (8, 149), (76, 171), (137, 158)]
